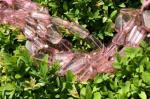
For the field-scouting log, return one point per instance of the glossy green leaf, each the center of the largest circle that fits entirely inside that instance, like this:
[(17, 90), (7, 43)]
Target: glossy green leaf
[(97, 95), (143, 95), (122, 5), (146, 77), (70, 77)]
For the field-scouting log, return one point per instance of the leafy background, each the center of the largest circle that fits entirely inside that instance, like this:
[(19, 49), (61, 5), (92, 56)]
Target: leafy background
[(21, 77)]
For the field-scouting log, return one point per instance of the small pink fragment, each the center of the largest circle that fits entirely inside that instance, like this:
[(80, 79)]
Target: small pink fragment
[(9, 2)]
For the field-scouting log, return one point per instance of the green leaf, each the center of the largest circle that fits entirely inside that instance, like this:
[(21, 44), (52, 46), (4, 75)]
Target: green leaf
[(124, 90), (17, 76), (73, 92), (143, 95), (133, 52), (113, 14), (65, 6), (88, 92), (95, 15), (147, 66), (98, 79), (104, 19), (21, 38), (70, 77), (44, 66), (11, 94), (97, 95), (82, 93), (8, 86), (122, 5), (146, 77), (142, 1), (95, 89)]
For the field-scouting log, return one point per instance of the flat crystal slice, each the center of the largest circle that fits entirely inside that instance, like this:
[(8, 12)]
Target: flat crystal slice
[(146, 18)]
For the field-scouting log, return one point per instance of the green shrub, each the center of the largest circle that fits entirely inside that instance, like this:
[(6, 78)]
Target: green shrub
[(21, 77)]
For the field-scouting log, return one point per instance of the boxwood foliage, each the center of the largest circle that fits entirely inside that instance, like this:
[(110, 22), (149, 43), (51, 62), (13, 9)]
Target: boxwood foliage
[(22, 77)]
